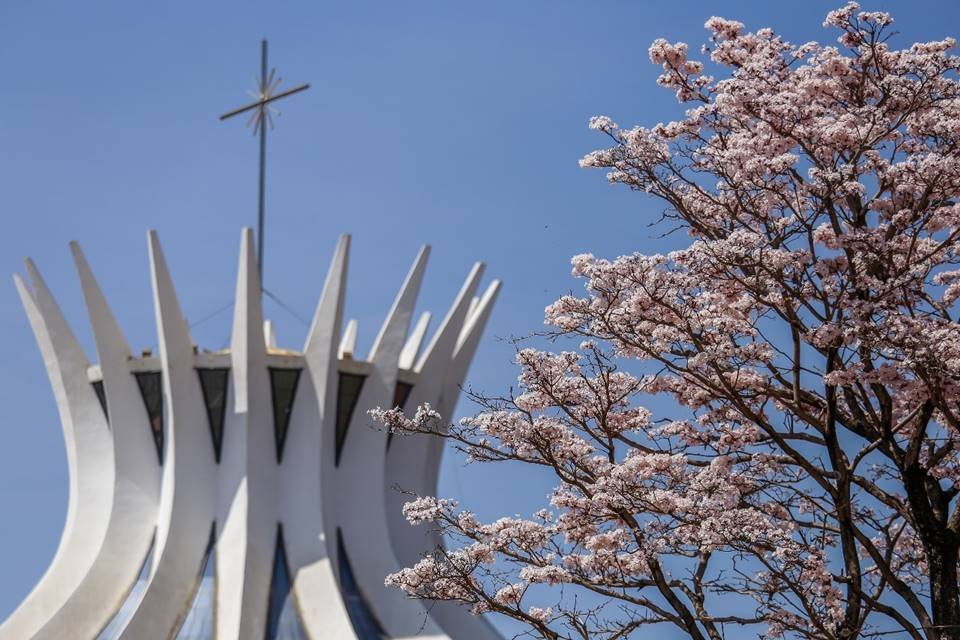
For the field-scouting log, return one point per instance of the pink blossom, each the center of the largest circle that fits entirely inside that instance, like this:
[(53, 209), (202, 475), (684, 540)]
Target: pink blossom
[(510, 594)]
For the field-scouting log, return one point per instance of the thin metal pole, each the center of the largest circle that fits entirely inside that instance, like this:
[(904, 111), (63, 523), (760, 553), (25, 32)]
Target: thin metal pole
[(261, 118), (263, 158)]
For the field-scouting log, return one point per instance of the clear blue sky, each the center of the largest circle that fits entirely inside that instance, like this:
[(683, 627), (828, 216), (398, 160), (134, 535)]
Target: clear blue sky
[(454, 124)]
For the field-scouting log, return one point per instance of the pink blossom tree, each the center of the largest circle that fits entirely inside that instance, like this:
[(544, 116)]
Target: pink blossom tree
[(808, 338)]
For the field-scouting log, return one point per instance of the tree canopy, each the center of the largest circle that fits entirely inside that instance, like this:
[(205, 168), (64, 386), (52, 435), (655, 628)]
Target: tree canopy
[(808, 336)]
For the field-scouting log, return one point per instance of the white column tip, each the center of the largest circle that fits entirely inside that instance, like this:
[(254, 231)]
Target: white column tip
[(269, 335), (398, 318), (408, 356), (445, 339), (20, 284), (349, 342), (37, 283)]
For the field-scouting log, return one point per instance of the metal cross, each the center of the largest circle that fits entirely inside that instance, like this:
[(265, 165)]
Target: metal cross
[(262, 116)]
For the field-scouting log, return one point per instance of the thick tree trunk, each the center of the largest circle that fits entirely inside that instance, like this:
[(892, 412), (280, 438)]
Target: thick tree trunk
[(944, 593), (930, 508)]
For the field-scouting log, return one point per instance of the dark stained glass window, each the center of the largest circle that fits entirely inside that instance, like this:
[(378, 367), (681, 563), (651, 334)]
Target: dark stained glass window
[(198, 625), (213, 383), (283, 388), (151, 388), (365, 625), (120, 619), (102, 397), (348, 392), (401, 393), (283, 619)]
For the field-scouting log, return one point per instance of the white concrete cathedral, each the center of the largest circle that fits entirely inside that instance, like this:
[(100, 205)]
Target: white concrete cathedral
[(244, 493)]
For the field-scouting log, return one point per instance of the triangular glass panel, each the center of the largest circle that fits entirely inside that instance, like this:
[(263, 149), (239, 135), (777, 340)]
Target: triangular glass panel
[(198, 625), (120, 619), (365, 625), (213, 383), (283, 389), (401, 393), (348, 392), (151, 388), (102, 397), (283, 619)]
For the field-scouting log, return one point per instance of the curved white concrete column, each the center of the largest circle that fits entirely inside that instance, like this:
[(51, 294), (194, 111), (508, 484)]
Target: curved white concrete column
[(453, 379), (416, 466), (89, 457), (321, 345), (301, 507), (418, 472), (366, 535), (188, 488), (409, 453), (454, 619), (132, 521), (248, 483)]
